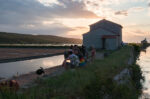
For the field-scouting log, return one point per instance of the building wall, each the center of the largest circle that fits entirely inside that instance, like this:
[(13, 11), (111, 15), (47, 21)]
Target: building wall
[(94, 38), (97, 30), (109, 26), (91, 40), (120, 38)]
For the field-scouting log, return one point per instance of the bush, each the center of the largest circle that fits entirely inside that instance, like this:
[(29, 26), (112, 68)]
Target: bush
[(136, 75), (137, 47)]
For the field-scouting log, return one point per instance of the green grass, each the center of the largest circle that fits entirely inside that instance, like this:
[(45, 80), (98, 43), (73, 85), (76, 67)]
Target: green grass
[(95, 81), (33, 46)]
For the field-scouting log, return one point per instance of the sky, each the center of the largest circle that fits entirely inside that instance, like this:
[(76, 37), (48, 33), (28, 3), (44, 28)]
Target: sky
[(71, 18)]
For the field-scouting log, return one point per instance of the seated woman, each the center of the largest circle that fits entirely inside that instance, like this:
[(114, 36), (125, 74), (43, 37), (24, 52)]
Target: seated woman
[(82, 61)]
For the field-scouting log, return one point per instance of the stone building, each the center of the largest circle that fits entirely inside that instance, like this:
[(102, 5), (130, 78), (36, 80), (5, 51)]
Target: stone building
[(103, 34)]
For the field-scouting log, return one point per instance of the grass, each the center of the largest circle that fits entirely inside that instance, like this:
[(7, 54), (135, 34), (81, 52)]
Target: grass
[(95, 81), (32, 46)]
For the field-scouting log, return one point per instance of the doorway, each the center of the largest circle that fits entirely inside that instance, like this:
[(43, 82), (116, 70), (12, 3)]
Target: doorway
[(103, 43)]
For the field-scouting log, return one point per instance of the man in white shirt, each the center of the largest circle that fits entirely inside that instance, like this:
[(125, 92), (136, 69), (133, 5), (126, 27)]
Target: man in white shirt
[(74, 60)]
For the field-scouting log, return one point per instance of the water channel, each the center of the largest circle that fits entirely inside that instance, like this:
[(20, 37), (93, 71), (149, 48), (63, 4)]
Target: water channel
[(10, 69), (144, 62)]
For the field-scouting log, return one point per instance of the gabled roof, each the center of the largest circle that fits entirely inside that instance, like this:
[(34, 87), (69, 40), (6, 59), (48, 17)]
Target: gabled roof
[(106, 22), (106, 25)]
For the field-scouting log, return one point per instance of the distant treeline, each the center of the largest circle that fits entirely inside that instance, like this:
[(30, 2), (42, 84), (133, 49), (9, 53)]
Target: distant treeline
[(14, 38)]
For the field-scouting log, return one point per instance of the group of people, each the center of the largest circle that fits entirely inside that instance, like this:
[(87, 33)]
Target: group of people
[(77, 56), (9, 85)]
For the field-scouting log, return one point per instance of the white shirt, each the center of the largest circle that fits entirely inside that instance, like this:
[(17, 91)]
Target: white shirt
[(74, 59)]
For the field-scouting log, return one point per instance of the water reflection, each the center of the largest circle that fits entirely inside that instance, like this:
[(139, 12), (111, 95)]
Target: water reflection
[(46, 63), (22, 67), (144, 50), (144, 62)]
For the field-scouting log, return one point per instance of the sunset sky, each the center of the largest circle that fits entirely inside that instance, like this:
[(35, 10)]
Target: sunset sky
[(71, 18)]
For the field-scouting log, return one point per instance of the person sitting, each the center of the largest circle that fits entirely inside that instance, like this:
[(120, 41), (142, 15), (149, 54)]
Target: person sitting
[(11, 85), (82, 62), (78, 53), (71, 47), (66, 53), (72, 61)]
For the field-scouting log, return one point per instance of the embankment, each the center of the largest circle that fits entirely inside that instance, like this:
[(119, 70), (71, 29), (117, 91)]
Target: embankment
[(95, 81)]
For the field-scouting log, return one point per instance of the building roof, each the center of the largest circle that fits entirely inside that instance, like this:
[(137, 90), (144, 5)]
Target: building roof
[(106, 25), (107, 22)]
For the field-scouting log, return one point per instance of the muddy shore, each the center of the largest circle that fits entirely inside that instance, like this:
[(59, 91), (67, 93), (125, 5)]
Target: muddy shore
[(27, 80), (20, 54)]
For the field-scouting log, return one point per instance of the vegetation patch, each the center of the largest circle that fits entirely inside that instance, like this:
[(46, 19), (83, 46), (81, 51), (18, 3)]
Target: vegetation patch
[(14, 38)]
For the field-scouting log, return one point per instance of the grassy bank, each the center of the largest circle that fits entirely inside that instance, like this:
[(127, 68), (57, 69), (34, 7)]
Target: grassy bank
[(33, 46), (95, 81)]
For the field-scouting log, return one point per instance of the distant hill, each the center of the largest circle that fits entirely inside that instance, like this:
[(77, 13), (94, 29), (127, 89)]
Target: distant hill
[(14, 38)]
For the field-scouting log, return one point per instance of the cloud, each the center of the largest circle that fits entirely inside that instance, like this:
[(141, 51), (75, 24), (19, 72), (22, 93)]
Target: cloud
[(123, 12), (130, 10), (110, 2), (136, 9), (137, 25), (149, 4), (74, 9), (137, 34), (50, 29), (33, 11), (61, 17), (92, 3), (27, 16), (16, 11)]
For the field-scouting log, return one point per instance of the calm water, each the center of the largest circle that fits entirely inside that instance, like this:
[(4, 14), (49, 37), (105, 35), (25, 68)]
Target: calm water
[(8, 70), (144, 62)]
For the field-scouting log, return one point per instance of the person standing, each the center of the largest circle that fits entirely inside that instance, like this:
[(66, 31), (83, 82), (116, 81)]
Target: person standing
[(93, 53)]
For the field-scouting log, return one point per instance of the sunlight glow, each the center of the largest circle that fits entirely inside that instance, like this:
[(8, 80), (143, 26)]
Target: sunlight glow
[(77, 32)]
